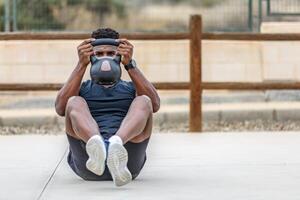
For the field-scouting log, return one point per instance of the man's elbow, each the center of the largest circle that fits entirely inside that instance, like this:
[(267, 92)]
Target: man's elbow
[(156, 106), (59, 110), (155, 109)]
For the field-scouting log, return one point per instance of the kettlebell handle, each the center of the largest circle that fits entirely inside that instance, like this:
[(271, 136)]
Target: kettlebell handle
[(105, 41)]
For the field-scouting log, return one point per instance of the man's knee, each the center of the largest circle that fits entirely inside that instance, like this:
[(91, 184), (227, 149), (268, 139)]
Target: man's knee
[(74, 103), (145, 102), (140, 138)]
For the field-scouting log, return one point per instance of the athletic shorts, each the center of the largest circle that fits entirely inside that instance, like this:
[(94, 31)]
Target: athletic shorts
[(77, 158)]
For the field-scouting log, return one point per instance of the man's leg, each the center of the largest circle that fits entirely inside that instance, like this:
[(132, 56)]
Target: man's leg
[(79, 121), (136, 127), (81, 125)]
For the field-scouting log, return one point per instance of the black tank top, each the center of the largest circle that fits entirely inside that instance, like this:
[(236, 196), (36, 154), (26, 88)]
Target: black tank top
[(108, 106)]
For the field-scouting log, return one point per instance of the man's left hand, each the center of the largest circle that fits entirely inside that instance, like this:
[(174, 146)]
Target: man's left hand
[(125, 49)]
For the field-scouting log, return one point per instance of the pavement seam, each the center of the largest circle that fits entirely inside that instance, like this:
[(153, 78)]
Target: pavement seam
[(53, 173)]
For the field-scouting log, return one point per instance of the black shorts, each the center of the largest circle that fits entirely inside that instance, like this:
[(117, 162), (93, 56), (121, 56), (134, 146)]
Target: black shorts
[(77, 158)]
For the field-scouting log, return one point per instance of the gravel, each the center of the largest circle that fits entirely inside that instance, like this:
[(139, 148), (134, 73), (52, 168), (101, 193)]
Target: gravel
[(254, 125), (19, 100), (20, 130)]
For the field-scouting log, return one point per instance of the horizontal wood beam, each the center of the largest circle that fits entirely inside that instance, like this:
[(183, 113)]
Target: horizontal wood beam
[(172, 85), (57, 86), (30, 87), (252, 36), (168, 86), (154, 36), (81, 36), (250, 86)]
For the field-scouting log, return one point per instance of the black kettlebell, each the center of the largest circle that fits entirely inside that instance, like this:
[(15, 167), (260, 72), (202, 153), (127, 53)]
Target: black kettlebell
[(105, 70)]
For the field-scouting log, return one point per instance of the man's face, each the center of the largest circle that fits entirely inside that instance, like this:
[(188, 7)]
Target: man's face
[(105, 50)]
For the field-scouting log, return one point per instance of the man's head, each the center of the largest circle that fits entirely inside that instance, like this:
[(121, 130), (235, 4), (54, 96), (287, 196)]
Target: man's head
[(105, 50), (105, 69), (105, 33)]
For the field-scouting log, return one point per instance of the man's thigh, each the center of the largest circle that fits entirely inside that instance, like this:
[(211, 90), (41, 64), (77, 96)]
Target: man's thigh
[(146, 133)]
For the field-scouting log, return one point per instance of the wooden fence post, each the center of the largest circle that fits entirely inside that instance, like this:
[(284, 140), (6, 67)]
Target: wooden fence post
[(195, 118)]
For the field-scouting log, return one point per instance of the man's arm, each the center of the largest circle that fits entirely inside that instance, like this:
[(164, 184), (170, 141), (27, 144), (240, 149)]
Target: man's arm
[(72, 86), (142, 85)]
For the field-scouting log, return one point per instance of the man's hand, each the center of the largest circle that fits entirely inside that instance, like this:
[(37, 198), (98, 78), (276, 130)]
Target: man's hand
[(85, 50), (125, 49)]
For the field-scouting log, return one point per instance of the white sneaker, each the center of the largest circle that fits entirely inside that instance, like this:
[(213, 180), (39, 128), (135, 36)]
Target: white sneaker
[(117, 163), (96, 151)]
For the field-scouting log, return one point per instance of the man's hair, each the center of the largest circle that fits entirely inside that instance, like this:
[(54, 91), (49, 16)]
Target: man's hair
[(105, 33)]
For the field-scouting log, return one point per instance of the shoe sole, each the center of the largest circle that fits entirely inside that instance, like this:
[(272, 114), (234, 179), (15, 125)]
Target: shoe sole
[(97, 155), (117, 164)]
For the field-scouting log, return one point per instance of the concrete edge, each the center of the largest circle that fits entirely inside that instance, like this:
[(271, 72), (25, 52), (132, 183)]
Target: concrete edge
[(268, 114)]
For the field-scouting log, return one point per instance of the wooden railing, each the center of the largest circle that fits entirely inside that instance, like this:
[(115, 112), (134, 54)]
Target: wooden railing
[(196, 85)]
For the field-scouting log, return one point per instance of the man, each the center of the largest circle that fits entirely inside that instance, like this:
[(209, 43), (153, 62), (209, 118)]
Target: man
[(108, 127)]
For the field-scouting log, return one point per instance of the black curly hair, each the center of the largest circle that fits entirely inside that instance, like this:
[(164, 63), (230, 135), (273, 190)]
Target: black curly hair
[(105, 33)]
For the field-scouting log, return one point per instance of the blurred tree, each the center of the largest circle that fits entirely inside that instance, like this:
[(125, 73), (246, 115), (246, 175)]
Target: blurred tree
[(204, 3), (1, 17), (210, 3), (37, 15), (102, 8)]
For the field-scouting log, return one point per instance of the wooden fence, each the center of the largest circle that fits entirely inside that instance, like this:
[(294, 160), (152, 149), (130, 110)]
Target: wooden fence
[(195, 85)]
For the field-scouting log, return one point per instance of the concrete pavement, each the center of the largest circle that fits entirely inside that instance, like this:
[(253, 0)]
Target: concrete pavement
[(26, 163), (247, 166)]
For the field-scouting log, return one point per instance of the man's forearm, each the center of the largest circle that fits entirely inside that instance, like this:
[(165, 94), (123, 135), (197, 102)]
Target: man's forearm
[(144, 87), (70, 88)]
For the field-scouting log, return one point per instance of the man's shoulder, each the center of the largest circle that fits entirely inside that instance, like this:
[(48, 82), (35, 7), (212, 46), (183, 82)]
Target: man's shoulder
[(86, 82), (85, 87), (127, 84)]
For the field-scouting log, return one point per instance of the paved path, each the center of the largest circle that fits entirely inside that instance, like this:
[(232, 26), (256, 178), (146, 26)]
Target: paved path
[(180, 166)]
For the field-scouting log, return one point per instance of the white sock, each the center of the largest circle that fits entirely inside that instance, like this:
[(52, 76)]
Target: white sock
[(115, 139)]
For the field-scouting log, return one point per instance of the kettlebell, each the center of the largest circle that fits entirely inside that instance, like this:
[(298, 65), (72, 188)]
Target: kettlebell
[(105, 70)]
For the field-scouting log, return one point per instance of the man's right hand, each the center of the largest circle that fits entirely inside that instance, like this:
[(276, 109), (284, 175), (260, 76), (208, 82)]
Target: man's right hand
[(85, 50)]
